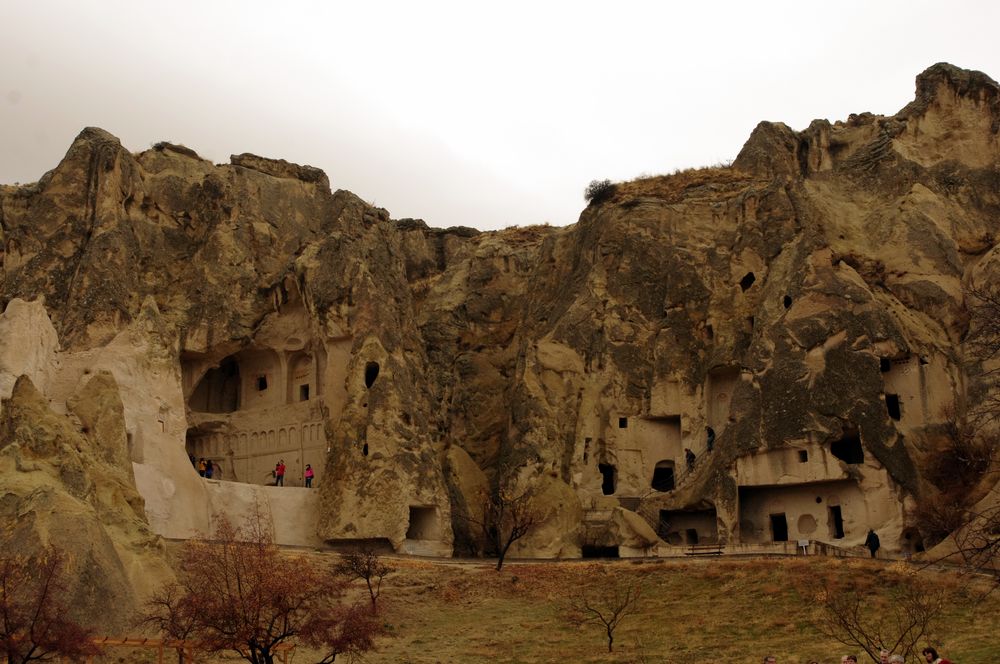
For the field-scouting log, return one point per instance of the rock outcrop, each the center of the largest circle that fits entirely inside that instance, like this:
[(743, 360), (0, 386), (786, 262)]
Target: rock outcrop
[(795, 320)]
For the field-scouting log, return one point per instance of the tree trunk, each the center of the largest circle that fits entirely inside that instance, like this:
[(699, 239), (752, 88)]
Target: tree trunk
[(611, 639)]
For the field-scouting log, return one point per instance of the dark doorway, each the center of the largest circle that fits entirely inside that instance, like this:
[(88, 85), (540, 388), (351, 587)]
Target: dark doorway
[(836, 522), (848, 448), (779, 528), (884, 364), (692, 536), (608, 475), (892, 405), (261, 383), (303, 393), (592, 551), (371, 373), (663, 476), (623, 423)]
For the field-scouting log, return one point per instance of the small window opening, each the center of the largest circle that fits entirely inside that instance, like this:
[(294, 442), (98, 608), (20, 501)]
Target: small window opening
[(371, 373), (623, 423), (303, 393), (892, 405), (709, 332), (787, 301), (608, 478), (779, 528), (261, 383), (836, 522), (819, 499), (663, 477), (747, 281), (364, 450), (691, 535), (803, 456), (592, 551), (884, 364), (848, 448)]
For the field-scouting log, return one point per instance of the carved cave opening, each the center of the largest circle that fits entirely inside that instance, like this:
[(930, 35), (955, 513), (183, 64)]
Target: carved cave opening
[(786, 301), (608, 473), (848, 448), (747, 281), (836, 522), (663, 476), (779, 528), (893, 407), (371, 374), (219, 389), (423, 523), (680, 527)]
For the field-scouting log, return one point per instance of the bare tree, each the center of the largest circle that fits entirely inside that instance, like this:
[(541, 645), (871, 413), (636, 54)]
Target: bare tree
[(508, 513), (34, 607), (617, 599), (364, 563), (896, 619), (257, 599)]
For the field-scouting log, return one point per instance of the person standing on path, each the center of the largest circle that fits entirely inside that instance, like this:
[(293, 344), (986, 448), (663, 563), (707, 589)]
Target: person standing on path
[(309, 474), (279, 473), (872, 543)]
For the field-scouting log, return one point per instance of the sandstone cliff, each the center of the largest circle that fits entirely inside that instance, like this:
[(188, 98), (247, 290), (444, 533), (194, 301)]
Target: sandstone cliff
[(805, 305)]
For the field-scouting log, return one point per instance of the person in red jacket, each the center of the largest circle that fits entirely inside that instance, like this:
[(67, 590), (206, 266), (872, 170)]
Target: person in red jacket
[(279, 473)]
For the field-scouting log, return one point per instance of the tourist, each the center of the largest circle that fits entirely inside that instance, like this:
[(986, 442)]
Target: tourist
[(209, 469), (689, 457), (849, 659), (309, 474), (871, 542), (932, 657), (201, 466), (279, 473), (883, 656), (770, 659), (709, 438), (897, 659)]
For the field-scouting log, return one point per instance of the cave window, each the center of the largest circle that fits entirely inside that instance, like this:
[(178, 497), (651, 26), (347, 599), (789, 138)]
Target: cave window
[(364, 450), (779, 528), (663, 476), (803, 456), (692, 536), (303, 393), (848, 449), (623, 423), (836, 522), (787, 301), (709, 332), (884, 364), (608, 473), (261, 383), (893, 406), (371, 373), (747, 281)]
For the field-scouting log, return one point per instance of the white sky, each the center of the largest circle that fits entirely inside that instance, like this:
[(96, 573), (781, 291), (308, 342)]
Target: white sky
[(463, 113)]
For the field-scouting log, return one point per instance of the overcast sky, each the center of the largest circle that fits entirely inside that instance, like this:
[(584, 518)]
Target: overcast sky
[(463, 113)]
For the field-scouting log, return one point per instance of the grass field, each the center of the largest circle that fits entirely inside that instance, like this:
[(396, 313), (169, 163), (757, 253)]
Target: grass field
[(691, 611)]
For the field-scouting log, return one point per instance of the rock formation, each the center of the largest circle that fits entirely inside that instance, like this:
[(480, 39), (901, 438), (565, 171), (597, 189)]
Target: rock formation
[(803, 309)]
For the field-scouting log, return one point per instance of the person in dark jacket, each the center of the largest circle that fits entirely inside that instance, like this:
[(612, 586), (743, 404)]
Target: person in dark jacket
[(872, 543)]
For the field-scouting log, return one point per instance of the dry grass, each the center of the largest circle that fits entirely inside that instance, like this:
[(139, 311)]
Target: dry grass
[(675, 187), (691, 611)]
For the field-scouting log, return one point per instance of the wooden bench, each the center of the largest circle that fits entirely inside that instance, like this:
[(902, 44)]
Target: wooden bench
[(705, 550)]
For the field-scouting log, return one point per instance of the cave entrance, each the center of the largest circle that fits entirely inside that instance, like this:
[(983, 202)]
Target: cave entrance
[(892, 406), (836, 520), (608, 473), (663, 476), (691, 535), (747, 281), (848, 449), (371, 373), (779, 528), (219, 389), (423, 523)]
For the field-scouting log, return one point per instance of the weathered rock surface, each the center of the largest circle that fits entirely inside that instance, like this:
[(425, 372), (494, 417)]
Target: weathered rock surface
[(806, 304)]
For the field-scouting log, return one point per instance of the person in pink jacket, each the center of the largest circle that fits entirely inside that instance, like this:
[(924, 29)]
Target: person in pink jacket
[(309, 474)]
